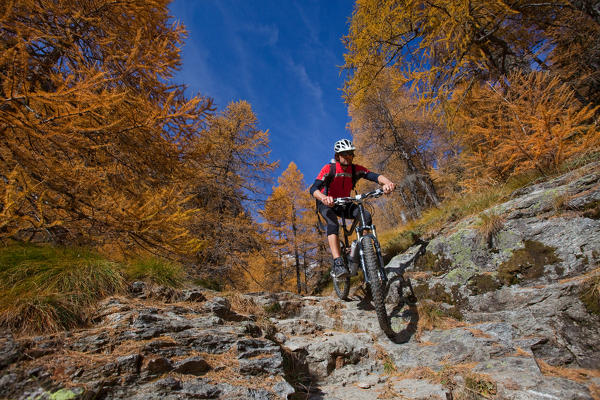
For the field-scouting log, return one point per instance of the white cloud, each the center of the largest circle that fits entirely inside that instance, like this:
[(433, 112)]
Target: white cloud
[(311, 23), (312, 88), (265, 34)]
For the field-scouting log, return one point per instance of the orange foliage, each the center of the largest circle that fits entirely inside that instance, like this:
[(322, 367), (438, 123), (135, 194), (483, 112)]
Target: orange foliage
[(397, 138), (227, 167), (83, 91), (290, 226), (531, 122), (471, 66), (97, 148)]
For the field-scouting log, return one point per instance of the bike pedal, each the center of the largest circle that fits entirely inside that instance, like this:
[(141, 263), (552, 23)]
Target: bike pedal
[(339, 277)]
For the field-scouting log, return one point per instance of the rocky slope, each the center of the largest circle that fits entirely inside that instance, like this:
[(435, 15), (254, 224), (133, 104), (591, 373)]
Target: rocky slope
[(507, 308)]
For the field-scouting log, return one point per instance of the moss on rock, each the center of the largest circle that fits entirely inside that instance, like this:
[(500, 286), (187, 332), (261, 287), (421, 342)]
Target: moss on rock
[(64, 394), (421, 291), (527, 263), (483, 283), (459, 275), (438, 294), (437, 264), (590, 296), (592, 210)]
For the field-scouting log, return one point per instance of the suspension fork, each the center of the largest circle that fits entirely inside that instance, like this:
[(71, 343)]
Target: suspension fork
[(373, 235), (382, 272)]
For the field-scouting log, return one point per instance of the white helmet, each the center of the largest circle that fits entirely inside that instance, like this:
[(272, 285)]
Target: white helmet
[(343, 145)]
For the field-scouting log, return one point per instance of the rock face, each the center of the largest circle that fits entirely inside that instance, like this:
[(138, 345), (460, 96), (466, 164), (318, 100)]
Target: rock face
[(140, 349), (507, 308)]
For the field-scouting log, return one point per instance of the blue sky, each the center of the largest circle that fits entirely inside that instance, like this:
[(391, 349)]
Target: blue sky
[(283, 57)]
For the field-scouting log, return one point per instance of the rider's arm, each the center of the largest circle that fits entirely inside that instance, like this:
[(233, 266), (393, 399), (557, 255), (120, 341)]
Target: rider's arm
[(372, 176), (316, 187), (315, 191), (388, 186)]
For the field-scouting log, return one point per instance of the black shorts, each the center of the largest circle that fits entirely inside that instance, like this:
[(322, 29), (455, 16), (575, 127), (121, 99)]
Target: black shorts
[(331, 214)]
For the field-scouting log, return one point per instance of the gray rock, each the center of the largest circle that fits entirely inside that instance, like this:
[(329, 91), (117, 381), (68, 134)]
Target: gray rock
[(257, 356), (129, 364), (283, 389), (520, 378), (159, 365), (193, 296), (249, 328), (214, 341), (137, 288), (323, 354), (272, 365), (192, 366), (298, 327), (220, 306), (280, 338), (254, 347), (420, 389), (169, 383), (10, 351), (200, 388)]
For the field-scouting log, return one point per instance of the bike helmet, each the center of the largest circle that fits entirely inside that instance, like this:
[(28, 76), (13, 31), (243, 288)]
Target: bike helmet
[(343, 145)]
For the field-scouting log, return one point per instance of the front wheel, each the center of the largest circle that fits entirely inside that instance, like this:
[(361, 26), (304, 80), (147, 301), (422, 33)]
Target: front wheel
[(342, 285), (377, 285)]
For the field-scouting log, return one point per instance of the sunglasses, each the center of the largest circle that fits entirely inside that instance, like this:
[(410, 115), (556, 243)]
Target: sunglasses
[(347, 153)]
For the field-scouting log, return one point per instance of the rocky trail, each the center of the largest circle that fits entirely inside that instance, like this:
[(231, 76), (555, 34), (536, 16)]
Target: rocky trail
[(508, 313)]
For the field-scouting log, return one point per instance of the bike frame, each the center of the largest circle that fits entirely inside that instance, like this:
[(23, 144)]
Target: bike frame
[(360, 235)]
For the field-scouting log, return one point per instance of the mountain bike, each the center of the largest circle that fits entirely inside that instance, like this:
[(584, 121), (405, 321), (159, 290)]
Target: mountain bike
[(365, 252)]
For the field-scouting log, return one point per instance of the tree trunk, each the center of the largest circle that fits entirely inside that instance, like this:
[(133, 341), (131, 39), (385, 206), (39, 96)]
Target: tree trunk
[(296, 254), (305, 267)]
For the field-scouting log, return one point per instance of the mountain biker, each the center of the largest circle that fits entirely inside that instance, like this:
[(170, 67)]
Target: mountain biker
[(340, 185)]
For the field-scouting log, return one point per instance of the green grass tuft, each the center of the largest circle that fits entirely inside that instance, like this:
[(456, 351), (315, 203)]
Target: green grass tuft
[(46, 288), (451, 209), (273, 308), (155, 270), (488, 227), (209, 283), (590, 295)]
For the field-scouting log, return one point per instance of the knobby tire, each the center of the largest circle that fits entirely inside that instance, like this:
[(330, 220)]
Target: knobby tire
[(377, 285)]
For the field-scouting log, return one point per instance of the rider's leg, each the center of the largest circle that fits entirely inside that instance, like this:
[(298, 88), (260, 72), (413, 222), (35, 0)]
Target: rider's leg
[(339, 268), (333, 228), (353, 212), (334, 245)]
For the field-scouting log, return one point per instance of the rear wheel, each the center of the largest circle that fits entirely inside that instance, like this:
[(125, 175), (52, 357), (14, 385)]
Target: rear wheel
[(342, 285), (377, 285)]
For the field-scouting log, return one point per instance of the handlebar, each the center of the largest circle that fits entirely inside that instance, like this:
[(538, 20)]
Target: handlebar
[(340, 201)]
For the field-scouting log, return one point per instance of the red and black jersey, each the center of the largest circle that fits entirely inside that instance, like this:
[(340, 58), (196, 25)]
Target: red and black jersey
[(341, 184)]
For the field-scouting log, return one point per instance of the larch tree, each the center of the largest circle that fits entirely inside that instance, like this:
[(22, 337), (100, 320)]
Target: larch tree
[(531, 122), (439, 44), (276, 232), (444, 50), (287, 222), (231, 160), (397, 137), (84, 90)]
